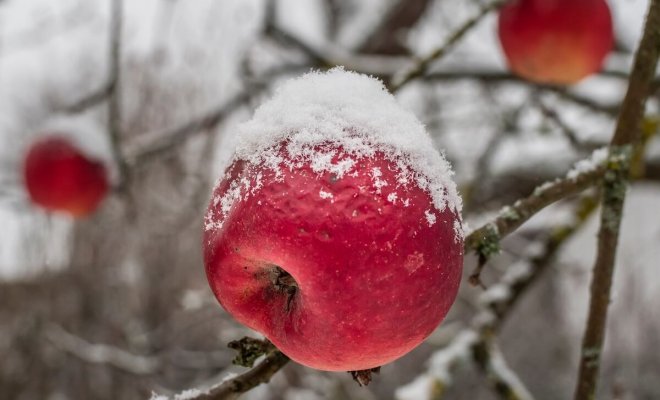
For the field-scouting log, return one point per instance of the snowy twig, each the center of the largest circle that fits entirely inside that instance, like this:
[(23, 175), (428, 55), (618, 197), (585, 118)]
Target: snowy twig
[(232, 388), (100, 353), (420, 67), (114, 100), (485, 240), (626, 135)]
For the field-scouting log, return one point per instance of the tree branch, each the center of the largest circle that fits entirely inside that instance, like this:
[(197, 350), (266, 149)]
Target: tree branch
[(114, 101), (626, 135), (232, 388), (102, 354), (421, 66), (150, 146), (485, 240)]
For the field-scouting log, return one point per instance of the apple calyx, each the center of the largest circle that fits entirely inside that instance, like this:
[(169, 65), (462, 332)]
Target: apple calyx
[(284, 283)]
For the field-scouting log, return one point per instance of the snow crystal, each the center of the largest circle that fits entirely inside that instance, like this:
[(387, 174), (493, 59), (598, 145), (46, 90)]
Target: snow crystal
[(597, 158), (325, 195), (459, 231), (378, 183), (392, 197), (430, 217)]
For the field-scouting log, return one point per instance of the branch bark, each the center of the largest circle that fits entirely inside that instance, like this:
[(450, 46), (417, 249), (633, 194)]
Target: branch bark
[(231, 389), (626, 136), (484, 240)]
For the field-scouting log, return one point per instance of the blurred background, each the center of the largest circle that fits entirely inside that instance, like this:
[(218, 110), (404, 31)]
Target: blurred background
[(116, 306)]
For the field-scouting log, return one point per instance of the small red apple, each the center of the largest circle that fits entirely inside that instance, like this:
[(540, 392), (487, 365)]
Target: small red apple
[(336, 230), (555, 41), (59, 177)]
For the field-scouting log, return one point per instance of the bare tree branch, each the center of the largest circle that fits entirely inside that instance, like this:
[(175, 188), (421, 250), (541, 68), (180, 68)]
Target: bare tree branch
[(93, 99), (232, 388), (101, 354), (150, 146), (484, 240), (386, 38), (421, 66), (114, 101), (626, 135)]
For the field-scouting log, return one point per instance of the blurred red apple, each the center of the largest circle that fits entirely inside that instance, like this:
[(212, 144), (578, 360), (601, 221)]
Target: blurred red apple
[(340, 273), (59, 177), (555, 41)]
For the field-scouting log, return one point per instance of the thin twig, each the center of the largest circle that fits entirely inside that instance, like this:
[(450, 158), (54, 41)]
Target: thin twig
[(511, 217), (114, 101), (626, 135), (150, 146), (91, 100), (495, 76), (101, 353), (422, 65), (569, 133), (232, 388)]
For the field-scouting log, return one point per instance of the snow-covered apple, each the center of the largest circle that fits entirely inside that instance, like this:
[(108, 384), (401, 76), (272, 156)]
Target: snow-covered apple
[(60, 177), (335, 230), (555, 41)]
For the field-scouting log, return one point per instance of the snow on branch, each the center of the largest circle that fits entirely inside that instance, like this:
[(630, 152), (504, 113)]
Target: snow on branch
[(484, 241), (101, 353), (233, 386)]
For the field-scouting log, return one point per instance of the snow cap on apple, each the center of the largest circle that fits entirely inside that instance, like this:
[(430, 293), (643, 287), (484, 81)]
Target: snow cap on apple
[(335, 231)]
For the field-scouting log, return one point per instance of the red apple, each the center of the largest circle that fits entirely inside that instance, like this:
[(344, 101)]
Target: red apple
[(555, 41), (59, 177), (340, 272)]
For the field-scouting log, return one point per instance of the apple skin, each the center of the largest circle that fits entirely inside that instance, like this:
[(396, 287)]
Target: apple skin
[(59, 177), (557, 42), (374, 277)]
